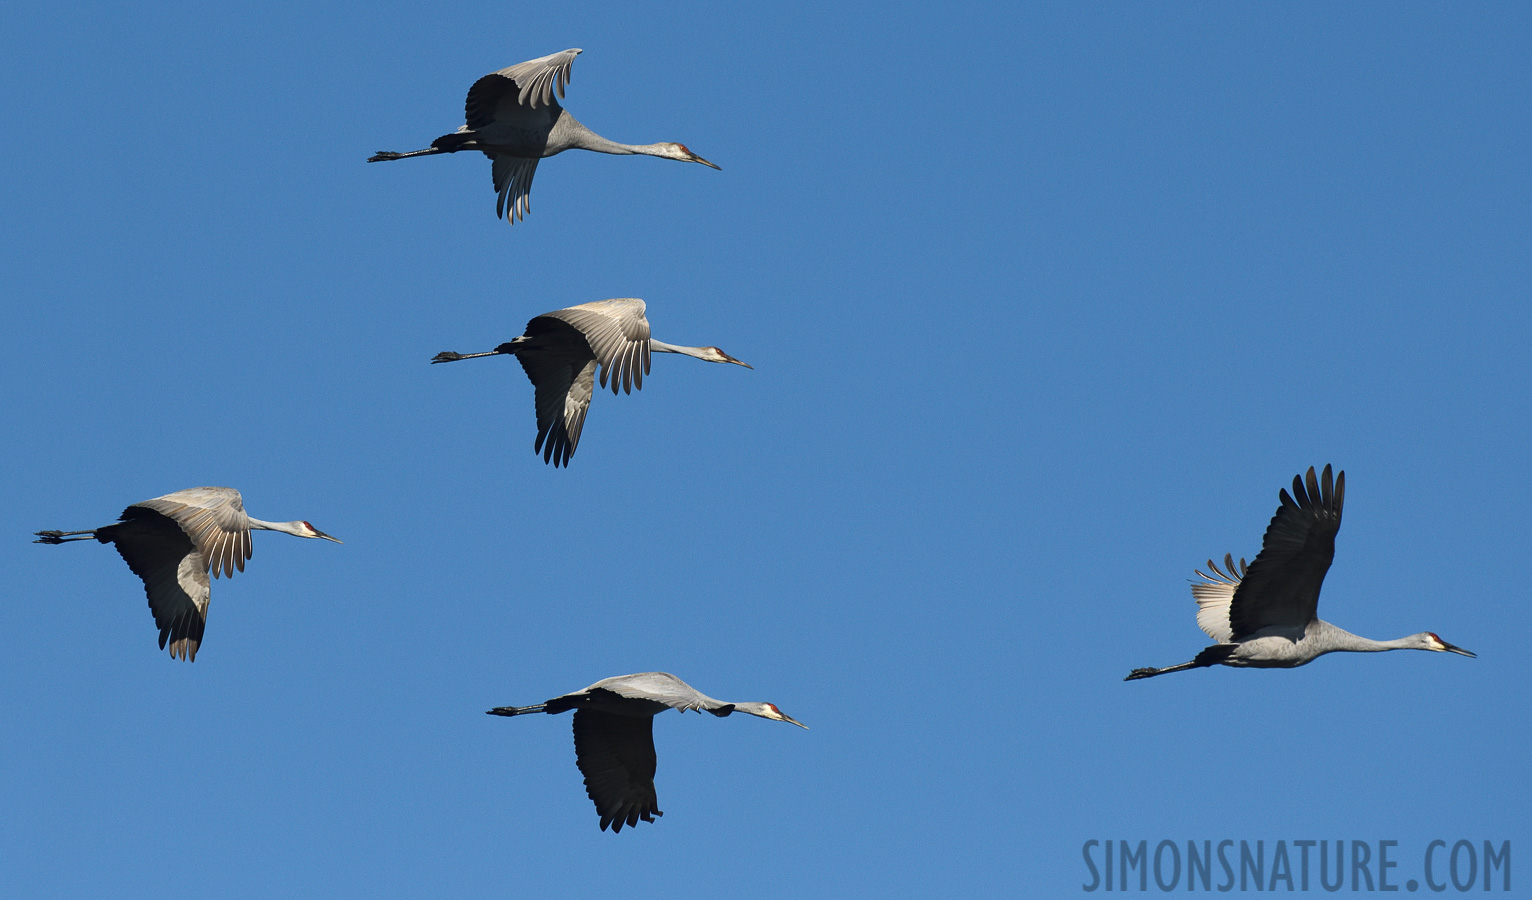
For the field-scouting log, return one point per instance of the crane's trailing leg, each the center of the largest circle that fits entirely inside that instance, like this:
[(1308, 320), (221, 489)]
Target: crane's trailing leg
[(62, 537), (510, 347), (386, 155), (447, 143), (1209, 657), (450, 356), (516, 710), (1151, 671)]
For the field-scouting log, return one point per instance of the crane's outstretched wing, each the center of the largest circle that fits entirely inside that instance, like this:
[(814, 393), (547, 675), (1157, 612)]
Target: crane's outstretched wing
[(615, 753), (174, 573), (214, 518), (1213, 596), (530, 83), (562, 390), (559, 363), (618, 335), (513, 184), (1281, 588)]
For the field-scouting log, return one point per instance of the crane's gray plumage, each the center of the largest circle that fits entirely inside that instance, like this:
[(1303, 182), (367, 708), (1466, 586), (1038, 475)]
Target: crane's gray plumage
[(560, 353), (172, 543), (513, 119), (1265, 615), (614, 737)]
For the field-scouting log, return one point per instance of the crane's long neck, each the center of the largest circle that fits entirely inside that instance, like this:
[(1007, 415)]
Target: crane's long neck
[(294, 528), (577, 137), (662, 347), (1332, 639)]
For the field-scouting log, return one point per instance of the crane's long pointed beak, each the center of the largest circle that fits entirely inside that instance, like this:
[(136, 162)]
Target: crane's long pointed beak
[(1452, 648), (788, 718), (698, 159), (328, 537)]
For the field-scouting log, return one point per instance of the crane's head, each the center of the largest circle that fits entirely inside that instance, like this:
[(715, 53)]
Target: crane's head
[(679, 151), (713, 354), (309, 531), (766, 711), (1435, 643)]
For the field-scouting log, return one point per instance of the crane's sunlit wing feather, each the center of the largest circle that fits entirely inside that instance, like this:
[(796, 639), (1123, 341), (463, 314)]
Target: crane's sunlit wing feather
[(214, 518), (513, 185), (615, 753), (1213, 596), (618, 334), (537, 78), (1281, 587), (531, 83)]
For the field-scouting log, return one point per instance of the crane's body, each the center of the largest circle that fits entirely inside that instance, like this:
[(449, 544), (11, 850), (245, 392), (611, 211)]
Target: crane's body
[(513, 118), (561, 352), (614, 736), (1264, 615), (172, 543)]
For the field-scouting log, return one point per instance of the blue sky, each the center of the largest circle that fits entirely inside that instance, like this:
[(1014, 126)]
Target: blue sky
[(1045, 304)]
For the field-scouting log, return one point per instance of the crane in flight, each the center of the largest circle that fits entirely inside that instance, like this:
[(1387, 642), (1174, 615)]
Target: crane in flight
[(614, 737), (560, 353), (514, 120), (172, 543), (1264, 615)]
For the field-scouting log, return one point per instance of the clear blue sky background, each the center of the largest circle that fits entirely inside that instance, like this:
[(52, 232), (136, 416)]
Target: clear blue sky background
[(1046, 302)]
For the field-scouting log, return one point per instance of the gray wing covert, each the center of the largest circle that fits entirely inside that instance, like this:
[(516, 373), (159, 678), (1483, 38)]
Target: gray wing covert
[(618, 334), (215, 521), (1281, 587), (662, 687)]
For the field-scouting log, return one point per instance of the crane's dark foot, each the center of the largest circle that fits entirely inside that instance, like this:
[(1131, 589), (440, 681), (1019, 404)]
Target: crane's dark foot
[(1142, 673), (446, 356), (384, 156)]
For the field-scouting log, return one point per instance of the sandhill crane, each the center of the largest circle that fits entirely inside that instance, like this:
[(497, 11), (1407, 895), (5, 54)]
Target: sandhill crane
[(172, 542), (1263, 615), (514, 120), (560, 352), (614, 736)]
